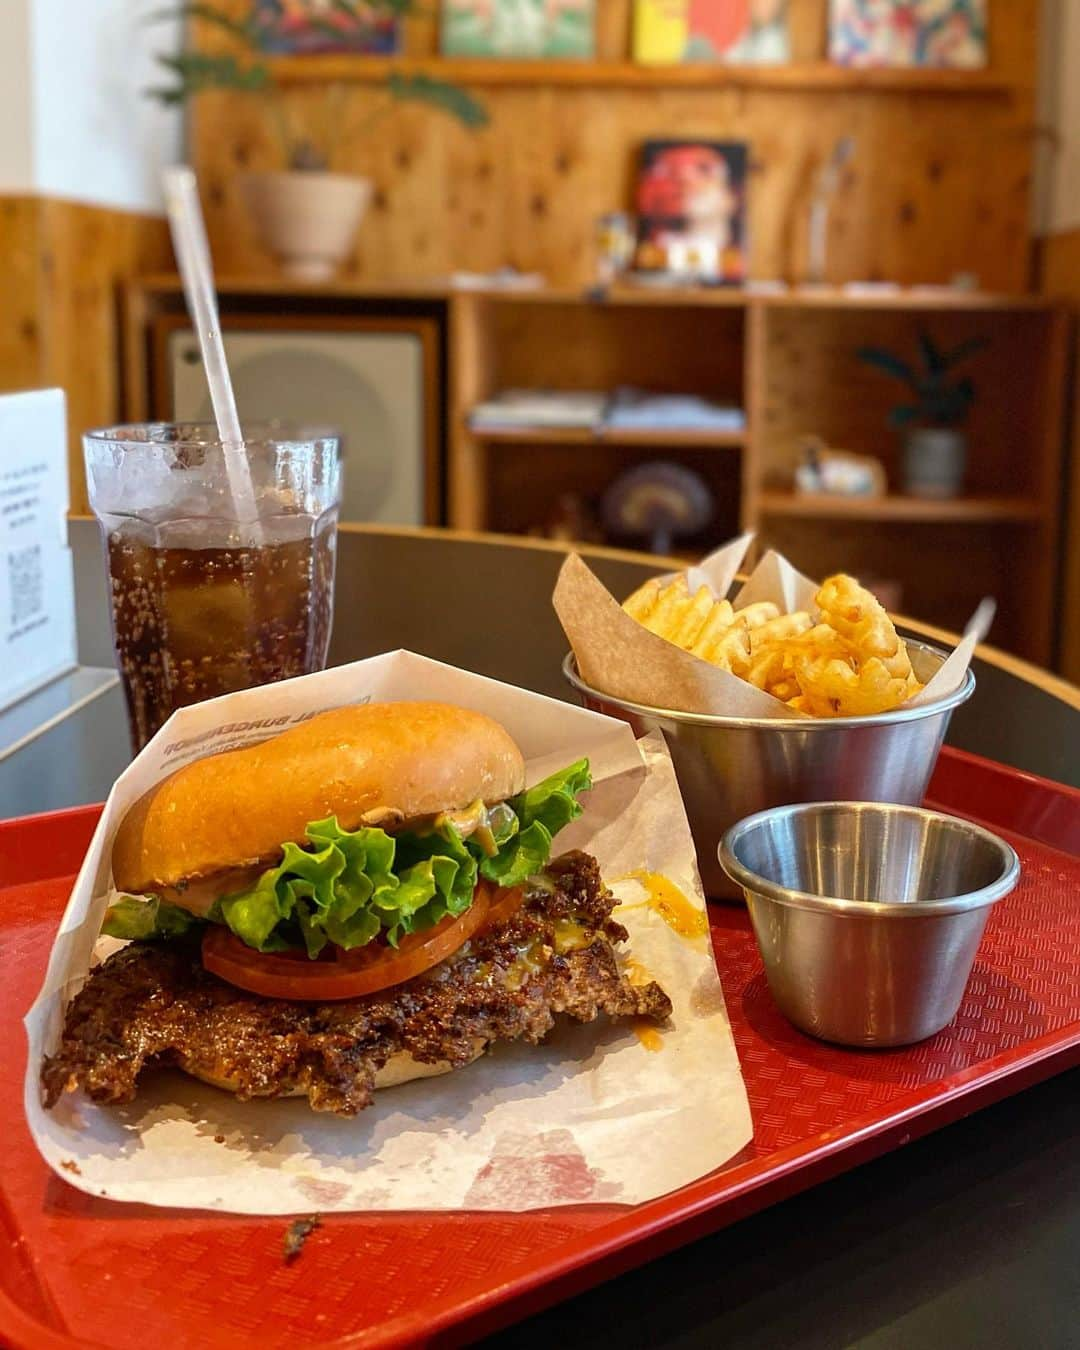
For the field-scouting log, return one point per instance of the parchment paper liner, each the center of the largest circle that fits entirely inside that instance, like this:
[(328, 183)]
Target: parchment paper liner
[(592, 1115), (617, 655)]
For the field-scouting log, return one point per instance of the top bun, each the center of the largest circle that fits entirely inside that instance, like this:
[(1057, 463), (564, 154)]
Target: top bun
[(371, 764)]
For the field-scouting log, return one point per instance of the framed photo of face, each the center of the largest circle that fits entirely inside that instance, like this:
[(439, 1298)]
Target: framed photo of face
[(691, 206)]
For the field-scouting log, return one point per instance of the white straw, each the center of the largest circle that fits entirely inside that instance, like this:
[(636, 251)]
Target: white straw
[(197, 273)]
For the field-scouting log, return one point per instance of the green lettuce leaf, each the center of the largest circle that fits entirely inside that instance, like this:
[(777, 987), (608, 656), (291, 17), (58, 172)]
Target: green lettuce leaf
[(145, 918), (523, 857), (554, 802), (349, 887)]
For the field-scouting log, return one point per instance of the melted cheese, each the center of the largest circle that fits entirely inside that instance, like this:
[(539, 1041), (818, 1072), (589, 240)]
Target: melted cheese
[(648, 1035), (530, 960), (571, 936), (664, 898)]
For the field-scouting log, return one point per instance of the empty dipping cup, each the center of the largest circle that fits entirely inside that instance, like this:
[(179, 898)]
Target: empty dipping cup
[(868, 916)]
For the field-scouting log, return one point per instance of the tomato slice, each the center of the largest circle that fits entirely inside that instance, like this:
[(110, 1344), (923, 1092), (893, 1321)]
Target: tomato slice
[(341, 975)]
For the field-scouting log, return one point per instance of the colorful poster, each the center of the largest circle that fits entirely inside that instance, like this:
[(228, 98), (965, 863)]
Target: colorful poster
[(289, 27), (518, 28), (740, 32), (691, 204), (944, 33)]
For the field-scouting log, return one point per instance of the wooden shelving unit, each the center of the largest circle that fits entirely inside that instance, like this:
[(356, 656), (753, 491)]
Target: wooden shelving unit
[(790, 362), (789, 359), (799, 77)]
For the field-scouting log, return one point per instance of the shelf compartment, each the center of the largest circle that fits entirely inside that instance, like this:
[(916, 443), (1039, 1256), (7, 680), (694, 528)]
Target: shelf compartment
[(969, 510)]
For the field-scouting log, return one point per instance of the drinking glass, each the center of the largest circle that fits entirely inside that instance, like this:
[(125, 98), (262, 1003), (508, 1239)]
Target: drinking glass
[(213, 589)]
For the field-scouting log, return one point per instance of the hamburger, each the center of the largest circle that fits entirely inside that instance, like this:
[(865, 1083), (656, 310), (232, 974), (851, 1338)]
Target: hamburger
[(366, 898)]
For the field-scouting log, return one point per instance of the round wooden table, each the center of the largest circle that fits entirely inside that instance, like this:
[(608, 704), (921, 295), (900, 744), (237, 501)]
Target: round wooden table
[(967, 1238)]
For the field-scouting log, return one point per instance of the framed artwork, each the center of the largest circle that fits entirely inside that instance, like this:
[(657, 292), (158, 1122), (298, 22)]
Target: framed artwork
[(292, 27), (942, 33), (519, 28), (691, 205), (741, 32)]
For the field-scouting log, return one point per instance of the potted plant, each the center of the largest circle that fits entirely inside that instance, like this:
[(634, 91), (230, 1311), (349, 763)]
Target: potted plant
[(935, 447), (306, 214)]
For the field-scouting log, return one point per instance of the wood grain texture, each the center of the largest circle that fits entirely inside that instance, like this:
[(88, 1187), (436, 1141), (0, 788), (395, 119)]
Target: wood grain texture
[(20, 334), (1060, 278), (60, 322), (939, 183)]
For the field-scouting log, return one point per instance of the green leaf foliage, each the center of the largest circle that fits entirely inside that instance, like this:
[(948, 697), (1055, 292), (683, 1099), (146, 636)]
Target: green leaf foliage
[(198, 71), (940, 399), (146, 918), (438, 94)]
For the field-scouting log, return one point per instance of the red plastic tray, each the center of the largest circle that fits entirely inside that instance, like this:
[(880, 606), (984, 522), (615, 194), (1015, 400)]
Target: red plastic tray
[(75, 1271)]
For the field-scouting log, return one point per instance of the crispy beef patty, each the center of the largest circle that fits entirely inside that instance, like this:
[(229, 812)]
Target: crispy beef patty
[(154, 1004)]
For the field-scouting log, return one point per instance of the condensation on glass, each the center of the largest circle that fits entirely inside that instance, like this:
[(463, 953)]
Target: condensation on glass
[(209, 596)]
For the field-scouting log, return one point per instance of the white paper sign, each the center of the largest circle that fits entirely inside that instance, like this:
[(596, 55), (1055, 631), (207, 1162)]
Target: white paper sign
[(37, 592), (595, 1114)]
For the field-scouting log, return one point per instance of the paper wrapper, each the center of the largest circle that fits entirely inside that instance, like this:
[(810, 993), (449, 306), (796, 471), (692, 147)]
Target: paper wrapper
[(617, 655), (592, 1115)]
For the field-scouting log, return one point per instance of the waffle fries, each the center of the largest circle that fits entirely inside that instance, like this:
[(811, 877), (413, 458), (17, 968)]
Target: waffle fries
[(846, 661)]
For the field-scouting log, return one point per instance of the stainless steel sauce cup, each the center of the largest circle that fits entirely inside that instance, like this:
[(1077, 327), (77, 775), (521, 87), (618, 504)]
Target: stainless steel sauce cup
[(867, 916), (730, 767)]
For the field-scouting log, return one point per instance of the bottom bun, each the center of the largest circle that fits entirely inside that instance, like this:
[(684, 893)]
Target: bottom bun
[(398, 1069)]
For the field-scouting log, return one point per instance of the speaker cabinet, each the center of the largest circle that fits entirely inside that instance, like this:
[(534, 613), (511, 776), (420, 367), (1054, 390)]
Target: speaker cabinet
[(376, 379)]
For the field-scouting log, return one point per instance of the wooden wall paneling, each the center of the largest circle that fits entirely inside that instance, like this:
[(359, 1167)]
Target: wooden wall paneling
[(64, 262), (939, 183), (21, 360)]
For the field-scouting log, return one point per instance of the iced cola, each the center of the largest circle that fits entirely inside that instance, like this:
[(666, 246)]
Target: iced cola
[(206, 601), (192, 623)]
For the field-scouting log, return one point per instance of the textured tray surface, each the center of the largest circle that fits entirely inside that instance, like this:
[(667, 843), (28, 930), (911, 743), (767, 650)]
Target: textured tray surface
[(78, 1271)]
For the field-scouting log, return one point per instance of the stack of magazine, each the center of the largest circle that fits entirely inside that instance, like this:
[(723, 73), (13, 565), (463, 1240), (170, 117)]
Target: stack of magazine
[(626, 409)]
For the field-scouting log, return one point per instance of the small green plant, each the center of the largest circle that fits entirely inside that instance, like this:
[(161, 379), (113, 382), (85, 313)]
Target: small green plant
[(939, 400), (249, 71)]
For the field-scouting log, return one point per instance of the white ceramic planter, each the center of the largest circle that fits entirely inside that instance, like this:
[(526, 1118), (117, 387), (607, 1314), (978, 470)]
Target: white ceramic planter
[(307, 220)]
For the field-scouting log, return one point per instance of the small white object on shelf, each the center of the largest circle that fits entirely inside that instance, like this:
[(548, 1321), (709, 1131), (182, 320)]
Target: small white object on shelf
[(637, 409), (515, 409), (837, 473), (871, 288), (505, 279)]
